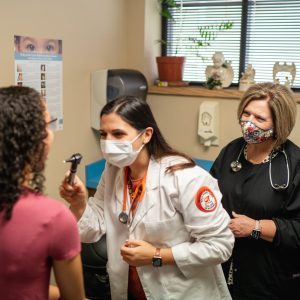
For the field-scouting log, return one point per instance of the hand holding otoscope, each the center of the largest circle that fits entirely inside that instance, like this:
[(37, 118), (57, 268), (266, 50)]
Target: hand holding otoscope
[(74, 192), (75, 161)]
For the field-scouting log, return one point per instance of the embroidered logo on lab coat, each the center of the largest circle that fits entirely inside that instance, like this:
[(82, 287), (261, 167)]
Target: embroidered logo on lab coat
[(205, 199)]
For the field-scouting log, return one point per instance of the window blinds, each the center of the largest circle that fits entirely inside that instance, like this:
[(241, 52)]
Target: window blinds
[(263, 32)]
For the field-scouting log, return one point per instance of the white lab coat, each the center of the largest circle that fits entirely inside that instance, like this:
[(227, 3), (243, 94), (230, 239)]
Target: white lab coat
[(166, 217)]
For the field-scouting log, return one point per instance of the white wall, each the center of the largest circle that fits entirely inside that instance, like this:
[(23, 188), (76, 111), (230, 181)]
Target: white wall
[(177, 117), (94, 35), (97, 35)]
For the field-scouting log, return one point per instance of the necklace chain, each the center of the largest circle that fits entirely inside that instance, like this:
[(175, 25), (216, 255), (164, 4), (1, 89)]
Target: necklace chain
[(134, 194), (266, 159)]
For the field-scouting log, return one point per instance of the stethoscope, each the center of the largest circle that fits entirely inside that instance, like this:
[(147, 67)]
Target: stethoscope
[(138, 195), (236, 166), (124, 217)]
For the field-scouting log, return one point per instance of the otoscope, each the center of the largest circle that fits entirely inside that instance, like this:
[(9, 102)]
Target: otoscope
[(75, 161)]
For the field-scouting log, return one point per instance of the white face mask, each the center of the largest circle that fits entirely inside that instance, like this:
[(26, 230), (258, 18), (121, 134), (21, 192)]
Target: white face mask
[(120, 153)]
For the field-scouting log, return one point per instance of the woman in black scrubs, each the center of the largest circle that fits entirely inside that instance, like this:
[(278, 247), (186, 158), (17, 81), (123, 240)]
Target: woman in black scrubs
[(259, 178)]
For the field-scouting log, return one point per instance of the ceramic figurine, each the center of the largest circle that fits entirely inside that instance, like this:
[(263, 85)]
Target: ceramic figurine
[(220, 70)]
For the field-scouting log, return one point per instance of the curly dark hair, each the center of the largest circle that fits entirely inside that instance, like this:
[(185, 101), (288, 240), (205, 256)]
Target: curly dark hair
[(22, 150)]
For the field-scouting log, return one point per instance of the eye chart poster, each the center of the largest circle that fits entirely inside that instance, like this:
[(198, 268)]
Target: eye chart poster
[(38, 64)]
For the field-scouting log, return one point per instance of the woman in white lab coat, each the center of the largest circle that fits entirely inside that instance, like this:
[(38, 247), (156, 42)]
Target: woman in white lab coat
[(165, 227)]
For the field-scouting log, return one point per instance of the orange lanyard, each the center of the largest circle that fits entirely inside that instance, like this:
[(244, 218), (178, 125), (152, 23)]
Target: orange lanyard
[(141, 189)]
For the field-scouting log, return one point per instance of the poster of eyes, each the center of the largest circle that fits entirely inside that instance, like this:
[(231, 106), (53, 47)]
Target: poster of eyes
[(38, 64)]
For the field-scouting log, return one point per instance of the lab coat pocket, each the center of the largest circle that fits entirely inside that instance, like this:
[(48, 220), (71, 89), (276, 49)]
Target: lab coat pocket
[(166, 233)]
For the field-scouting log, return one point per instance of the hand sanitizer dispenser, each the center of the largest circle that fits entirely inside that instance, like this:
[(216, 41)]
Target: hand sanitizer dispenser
[(208, 123)]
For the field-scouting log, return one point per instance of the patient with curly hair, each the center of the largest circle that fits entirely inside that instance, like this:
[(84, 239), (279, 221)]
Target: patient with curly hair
[(37, 233)]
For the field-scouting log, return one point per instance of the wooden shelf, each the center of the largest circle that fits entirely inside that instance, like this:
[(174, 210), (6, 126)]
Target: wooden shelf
[(197, 91)]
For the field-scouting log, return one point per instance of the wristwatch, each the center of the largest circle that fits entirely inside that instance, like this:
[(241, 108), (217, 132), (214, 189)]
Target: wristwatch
[(157, 260), (257, 230)]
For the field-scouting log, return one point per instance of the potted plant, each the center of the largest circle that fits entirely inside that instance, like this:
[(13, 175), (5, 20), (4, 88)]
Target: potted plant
[(206, 35), (170, 68)]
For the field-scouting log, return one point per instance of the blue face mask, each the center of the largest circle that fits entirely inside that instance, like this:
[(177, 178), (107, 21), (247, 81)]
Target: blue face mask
[(253, 134)]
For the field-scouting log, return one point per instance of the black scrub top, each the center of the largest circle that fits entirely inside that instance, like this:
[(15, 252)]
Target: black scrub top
[(261, 269)]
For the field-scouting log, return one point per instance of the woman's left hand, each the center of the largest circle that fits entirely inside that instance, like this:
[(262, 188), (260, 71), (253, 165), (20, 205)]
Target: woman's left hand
[(241, 225), (137, 253)]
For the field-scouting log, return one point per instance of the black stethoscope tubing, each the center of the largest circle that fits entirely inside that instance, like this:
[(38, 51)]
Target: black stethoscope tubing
[(236, 166)]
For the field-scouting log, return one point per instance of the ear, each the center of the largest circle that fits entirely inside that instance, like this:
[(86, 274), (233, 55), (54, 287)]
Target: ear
[(147, 135)]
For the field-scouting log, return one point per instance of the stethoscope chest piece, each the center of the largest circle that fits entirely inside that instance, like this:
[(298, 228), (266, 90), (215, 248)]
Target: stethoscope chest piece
[(123, 217), (236, 166)]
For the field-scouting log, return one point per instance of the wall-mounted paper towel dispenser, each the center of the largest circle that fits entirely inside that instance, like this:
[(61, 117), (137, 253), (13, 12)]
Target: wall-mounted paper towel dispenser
[(107, 85)]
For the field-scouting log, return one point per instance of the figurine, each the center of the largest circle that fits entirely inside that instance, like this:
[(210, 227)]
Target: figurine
[(249, 74), (221, 70), (247, 78), (290, 68)]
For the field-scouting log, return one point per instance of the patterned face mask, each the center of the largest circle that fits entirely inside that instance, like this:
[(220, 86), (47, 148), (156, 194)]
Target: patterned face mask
[(253, 134)]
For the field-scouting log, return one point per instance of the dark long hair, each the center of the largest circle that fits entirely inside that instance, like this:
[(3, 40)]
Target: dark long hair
[(22, 150), (137, 113)]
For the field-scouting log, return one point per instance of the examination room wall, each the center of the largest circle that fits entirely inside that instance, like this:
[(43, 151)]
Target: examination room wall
[(177, 117), (97, 35), (93, 35)]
